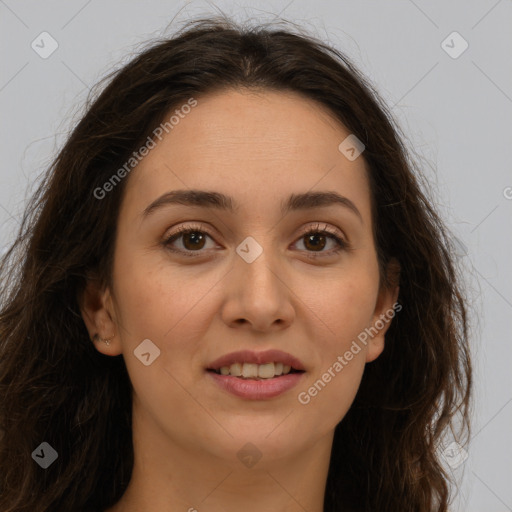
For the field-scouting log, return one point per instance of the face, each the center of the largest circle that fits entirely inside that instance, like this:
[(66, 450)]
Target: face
[(246, 278)]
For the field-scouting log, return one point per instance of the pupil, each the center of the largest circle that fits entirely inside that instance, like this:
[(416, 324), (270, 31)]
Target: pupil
[(310, 238), (196, 237)]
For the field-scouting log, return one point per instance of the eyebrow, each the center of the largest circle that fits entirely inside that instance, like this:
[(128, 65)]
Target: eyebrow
[(206, 199)]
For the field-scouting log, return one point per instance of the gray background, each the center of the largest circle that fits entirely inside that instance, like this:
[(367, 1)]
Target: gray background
[(456, 112)]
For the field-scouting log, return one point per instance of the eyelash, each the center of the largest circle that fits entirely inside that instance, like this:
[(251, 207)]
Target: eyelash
[(183, 230)]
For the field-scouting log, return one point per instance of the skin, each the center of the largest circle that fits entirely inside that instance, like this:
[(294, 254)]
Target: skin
[(257, 147)]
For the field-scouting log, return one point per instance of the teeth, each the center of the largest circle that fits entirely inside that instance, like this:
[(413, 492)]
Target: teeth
[(235, 370), (255, 371), (266, 371), (249, 370)]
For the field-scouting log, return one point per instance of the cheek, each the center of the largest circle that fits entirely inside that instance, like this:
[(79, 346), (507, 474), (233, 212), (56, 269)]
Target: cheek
[(343, 305), (171, 305), (326, 398), (338, 313), (166, 305)]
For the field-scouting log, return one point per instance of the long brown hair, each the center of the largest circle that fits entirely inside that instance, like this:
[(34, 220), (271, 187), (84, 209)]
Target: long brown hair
[(57, 388)]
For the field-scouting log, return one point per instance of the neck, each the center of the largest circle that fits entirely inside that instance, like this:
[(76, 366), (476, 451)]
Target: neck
[(169, 476)]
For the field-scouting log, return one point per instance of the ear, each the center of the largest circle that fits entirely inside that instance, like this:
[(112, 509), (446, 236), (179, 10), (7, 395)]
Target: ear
[(385, 310), (96, 306)]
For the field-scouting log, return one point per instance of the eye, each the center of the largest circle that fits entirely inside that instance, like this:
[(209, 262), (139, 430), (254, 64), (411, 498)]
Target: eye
[(315, 239), (193, 239)]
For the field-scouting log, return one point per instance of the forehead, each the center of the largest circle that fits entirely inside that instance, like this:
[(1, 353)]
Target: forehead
[(253, 146), (259, 125)]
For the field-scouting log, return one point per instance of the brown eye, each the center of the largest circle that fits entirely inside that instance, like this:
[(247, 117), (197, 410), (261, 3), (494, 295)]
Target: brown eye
[(315, 241), (193, 240)]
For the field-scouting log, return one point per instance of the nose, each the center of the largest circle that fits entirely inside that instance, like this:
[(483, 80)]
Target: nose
[(258, 296)]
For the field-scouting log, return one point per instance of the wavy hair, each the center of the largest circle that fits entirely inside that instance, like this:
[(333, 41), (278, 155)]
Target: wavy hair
[(56, 387)]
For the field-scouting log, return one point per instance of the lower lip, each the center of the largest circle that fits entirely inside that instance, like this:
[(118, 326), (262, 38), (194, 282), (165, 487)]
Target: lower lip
[(257, 389)]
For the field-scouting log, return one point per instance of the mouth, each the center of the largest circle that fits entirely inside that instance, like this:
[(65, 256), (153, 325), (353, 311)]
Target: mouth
[(251, 365), (252, 371), (261, 380)]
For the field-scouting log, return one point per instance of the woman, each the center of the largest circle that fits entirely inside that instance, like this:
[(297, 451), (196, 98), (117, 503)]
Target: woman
[(231, 291)]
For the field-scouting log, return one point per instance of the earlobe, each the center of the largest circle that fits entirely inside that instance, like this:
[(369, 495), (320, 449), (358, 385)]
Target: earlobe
[(375, 348), (96, 308), (385, 311)]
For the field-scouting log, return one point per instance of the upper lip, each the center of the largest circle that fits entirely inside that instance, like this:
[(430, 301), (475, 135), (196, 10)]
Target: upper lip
[(249, 356)]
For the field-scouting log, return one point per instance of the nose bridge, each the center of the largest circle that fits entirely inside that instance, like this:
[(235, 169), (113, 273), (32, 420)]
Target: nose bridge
[(258, 265)]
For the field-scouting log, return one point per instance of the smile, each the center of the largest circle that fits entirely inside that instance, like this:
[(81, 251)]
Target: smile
[(256, 371)]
